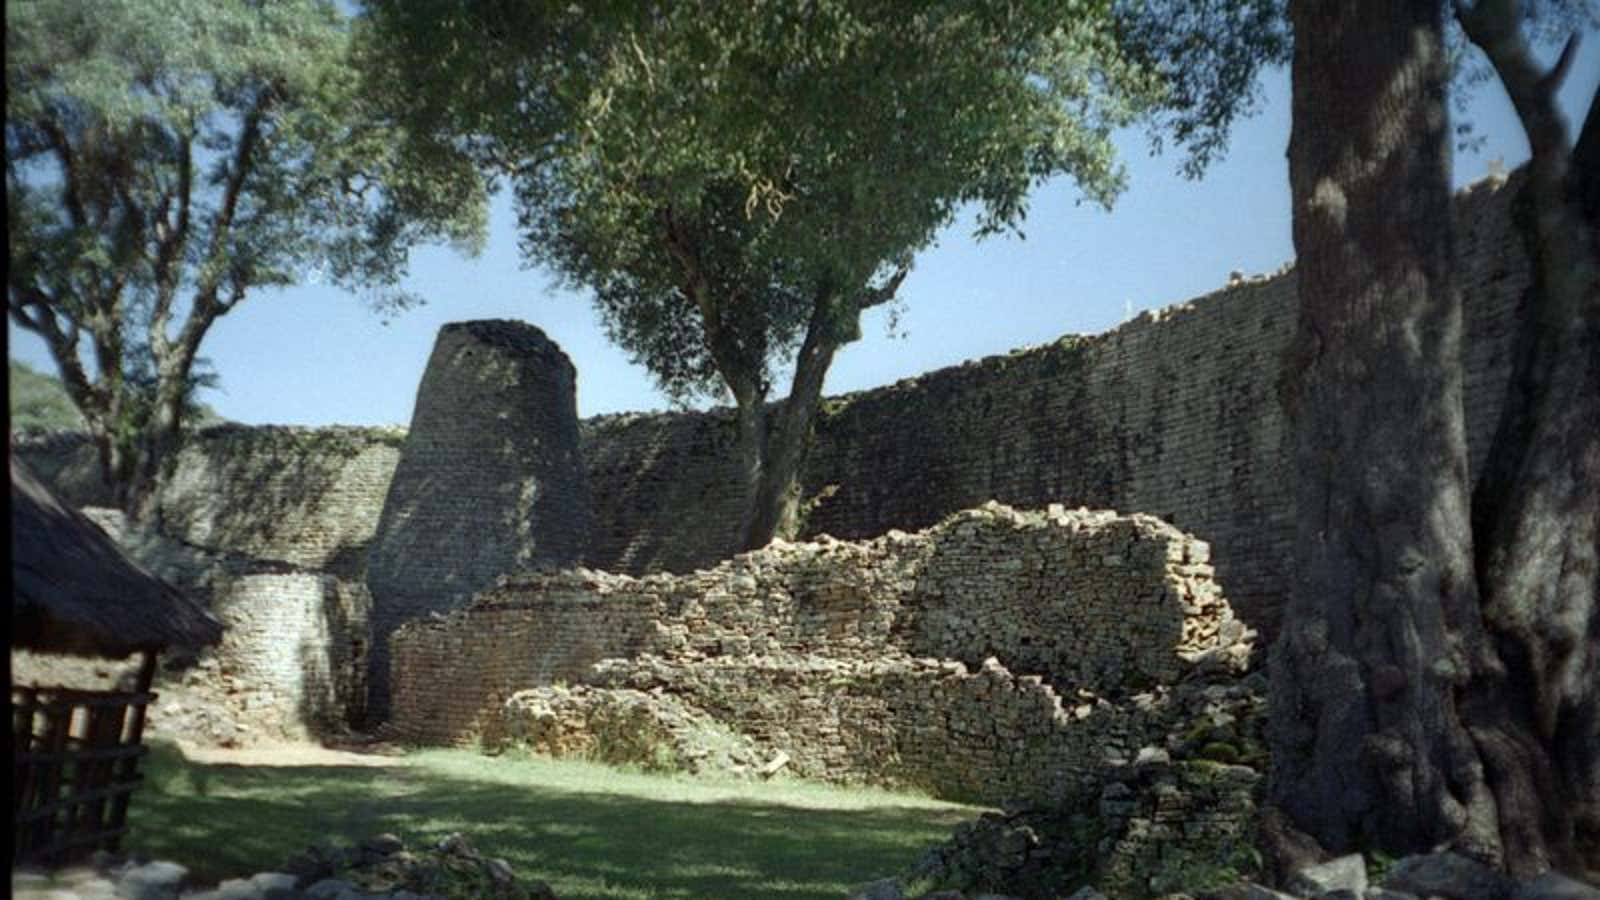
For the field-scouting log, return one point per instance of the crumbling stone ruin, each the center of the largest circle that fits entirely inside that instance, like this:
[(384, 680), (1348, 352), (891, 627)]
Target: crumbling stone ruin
[(1080, 669), (1000, 656), (292, 662), (489, 481), (1174, 413)]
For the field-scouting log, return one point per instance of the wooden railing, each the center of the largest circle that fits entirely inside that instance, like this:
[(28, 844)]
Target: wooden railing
[(76, 765)]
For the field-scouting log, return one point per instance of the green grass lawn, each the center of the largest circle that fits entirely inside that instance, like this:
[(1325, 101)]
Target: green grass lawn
[(588, 830)]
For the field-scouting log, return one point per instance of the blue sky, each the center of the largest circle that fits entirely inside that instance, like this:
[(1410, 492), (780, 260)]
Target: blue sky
[(313, 355)]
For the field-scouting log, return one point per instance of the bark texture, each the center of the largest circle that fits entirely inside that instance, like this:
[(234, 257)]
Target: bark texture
[(1382, 631), (1536, 509), (1437, 680), (774, 448), (775, 504)]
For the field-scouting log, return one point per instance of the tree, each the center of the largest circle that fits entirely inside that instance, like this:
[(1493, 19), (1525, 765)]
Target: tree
[(167, 159), (737, 185), (1435, 680), (1536, 510)]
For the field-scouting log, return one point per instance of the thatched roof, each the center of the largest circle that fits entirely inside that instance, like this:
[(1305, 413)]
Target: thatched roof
[(73, 591)]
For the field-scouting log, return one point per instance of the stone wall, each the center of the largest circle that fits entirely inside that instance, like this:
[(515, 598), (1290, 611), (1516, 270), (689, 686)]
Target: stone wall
[(1174, 413), (293, 654), (645, 472), (985, 733), (990, 656), (489, 481), (294, 648), (66, 462), (308, 497)]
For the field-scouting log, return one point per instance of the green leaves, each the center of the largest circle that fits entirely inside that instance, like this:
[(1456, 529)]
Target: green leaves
[(800, 151), (240, 130), (804, 151), (167, 158)]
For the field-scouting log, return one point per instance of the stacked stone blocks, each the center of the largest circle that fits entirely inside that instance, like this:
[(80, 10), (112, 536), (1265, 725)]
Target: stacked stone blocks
[(992, 656), (490, 479)]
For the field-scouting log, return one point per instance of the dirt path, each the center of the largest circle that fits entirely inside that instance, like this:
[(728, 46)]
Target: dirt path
[(288, 754)]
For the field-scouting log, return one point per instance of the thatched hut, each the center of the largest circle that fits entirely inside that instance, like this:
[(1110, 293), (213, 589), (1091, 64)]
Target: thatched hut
[(77, 751)]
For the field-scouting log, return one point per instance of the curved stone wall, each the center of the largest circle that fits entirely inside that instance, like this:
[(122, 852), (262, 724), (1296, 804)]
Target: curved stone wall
[(308, 497), (294, 646), (490, 479), (1174, 413)]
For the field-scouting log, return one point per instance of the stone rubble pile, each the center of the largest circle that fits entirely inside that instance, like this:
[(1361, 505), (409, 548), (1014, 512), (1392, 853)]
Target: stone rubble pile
[(1000, 656), (653, 731), (1166, 816), (377, 869), (1436, 876)]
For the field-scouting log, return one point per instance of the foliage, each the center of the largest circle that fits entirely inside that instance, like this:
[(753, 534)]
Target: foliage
[(577, 825), (1207, 54), (166, 159), (38, 402), (791, 156), (736, 183)]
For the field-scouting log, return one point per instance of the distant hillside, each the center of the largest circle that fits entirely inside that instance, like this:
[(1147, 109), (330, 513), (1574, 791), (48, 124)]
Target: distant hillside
[(38, 401)]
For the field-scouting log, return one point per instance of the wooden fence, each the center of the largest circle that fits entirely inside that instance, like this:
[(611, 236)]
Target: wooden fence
[(76, 766)]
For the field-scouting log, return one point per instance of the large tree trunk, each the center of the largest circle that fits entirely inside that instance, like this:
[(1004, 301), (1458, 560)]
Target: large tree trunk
[(1536, 509), (775, 503), (133, 461), (1382, 631), (752, 424)]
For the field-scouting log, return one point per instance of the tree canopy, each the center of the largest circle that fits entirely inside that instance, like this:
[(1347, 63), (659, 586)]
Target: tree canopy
[(736, 184), (164, 160)]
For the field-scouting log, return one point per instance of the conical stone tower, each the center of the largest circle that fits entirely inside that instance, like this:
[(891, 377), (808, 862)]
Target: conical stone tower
[(490, 480)]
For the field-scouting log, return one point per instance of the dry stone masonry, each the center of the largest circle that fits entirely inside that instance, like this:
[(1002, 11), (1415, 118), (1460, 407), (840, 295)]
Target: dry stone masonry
[(489, 481), (1174, 413), (998, 655), (293, 655), (295, 644), (307, 497)]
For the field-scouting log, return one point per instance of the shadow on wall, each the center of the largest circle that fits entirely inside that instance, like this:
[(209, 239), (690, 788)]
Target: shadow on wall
[(333, 692), (668, 488), (294, 649), (1020, 429), (489, 481), (306, 496)]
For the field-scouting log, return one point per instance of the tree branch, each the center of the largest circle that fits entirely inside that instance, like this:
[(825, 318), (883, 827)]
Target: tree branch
[(243, 161), (1494, 26), (70, 189), (884, 293), (63, 347), (171, 243), (742, 379), (1558, 72), (1586, 163)]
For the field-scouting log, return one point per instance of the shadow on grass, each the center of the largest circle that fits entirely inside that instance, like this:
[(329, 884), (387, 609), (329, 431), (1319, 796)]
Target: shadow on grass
[(223, 821)]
